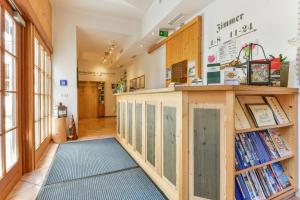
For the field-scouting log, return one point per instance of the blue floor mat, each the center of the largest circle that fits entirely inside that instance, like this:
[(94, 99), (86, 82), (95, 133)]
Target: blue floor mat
[(130, 184), (88, 158)]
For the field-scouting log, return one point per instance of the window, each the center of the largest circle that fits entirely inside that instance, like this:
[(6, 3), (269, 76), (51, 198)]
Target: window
[(42, 93), (9, 95)]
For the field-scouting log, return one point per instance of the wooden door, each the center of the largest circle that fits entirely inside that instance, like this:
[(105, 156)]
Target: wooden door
[(87, 100)]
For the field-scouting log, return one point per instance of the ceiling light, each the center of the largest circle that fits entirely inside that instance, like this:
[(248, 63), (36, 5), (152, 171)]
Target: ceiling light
[(141, 46), (153, 33), (176, 19)]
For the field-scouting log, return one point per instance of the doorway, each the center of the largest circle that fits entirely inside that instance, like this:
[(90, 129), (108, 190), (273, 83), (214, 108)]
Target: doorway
[(91, 100)]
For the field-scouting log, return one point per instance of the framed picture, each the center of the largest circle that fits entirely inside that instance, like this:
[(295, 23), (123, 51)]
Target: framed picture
[(262, 114), (259, 73), (278, 111), (142, 82)]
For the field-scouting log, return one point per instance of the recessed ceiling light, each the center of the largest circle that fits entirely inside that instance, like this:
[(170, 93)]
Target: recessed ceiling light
[(141, 46), (153, 33)]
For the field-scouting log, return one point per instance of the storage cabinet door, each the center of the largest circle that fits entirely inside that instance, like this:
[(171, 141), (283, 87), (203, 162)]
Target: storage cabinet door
[(150, 134), (118, 116), (123, 118), (205, 158), (169, 144), (129, 120), (139, 127)]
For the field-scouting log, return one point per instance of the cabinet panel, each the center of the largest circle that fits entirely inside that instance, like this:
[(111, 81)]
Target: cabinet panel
[(118, 116), (150, 129), (139, 127), (129, 120), (123, 118), (206, 153), (169, 144)]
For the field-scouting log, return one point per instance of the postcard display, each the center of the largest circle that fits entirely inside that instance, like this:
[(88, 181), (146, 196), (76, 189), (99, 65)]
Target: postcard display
[(264, 151)]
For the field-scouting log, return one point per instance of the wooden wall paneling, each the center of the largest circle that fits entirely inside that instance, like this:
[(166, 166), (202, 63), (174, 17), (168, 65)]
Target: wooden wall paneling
[(118, 117), (130, 123), (186, 45), (205, 157), (150, 134), (28, 87), (169, 143), (123, 120), (39, 12)]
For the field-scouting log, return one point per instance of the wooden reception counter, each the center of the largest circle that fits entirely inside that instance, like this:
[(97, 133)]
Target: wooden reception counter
[(184, 137)]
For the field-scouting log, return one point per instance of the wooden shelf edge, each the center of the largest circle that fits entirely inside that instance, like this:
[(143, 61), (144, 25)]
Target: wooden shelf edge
[(290, 190), (264, 164), (263, 128)]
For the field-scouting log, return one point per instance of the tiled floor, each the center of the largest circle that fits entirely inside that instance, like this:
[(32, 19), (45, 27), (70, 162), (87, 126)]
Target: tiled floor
[(30, 184)]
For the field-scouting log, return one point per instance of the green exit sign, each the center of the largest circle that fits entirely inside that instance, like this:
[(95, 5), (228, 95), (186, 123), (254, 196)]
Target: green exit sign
[(163, 33)]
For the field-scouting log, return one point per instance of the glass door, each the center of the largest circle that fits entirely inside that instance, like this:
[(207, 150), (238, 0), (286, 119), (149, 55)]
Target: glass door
[(9, 92)]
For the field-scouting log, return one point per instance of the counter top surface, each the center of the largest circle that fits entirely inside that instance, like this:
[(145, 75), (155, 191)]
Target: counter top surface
[(237, 88)]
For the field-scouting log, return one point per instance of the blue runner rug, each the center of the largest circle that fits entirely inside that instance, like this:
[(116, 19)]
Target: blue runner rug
[(96, 170)]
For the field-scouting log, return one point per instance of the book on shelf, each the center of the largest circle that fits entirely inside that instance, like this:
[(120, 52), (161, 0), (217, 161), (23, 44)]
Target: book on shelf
[(280, 115), (262, 183), (261, 114), (244, 100), (241, 121), (255, 148), (279, 143)]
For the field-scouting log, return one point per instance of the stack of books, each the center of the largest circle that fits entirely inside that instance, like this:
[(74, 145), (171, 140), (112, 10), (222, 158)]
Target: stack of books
[(257, 148), (260, 184)]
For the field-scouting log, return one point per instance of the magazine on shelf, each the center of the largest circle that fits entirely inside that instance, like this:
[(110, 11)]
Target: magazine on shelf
[(261, 183), (262, 115), (280, 175), (240, 119), (280, 115), (279, 143)]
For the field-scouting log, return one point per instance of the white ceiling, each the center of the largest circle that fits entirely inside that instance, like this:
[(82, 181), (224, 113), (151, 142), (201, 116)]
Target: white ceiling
[(118, 8), (92, 43)]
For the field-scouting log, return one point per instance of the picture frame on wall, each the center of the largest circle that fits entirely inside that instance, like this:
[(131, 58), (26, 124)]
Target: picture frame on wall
[(142, 82)]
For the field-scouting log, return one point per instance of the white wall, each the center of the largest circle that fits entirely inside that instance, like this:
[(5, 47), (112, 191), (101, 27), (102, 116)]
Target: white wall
[(65, 52), (112, 78), (150, 65), (275, 21)]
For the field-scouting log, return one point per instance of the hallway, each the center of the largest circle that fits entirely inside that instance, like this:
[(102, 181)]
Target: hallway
[(97, 127)]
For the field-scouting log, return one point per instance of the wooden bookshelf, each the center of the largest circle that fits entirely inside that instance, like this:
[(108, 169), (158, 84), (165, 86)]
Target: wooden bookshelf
[(287, 191), (263, 128), (264, 164)]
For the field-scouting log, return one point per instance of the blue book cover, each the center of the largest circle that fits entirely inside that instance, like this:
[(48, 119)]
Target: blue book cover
[(253, 149), (243, 187), (257, 149), (242, 153), (282, 178), (239, 162), (261, 148), (238, 192), (250, 155), (272, 179)]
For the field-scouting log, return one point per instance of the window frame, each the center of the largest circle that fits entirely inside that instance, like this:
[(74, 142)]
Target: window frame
[(15, 168)]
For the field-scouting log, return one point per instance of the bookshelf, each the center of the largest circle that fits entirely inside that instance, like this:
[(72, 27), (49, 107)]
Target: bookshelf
[(202, 122)]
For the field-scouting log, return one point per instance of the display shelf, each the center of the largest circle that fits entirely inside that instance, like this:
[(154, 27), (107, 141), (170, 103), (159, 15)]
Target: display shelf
[(263, 128), (264, 164), (287, 191)]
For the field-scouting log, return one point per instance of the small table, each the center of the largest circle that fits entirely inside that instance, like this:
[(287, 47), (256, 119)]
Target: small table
[(59, 130)]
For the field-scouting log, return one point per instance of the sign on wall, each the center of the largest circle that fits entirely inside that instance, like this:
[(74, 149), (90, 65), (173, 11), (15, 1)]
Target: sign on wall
[(224, 45), (63, 83)]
